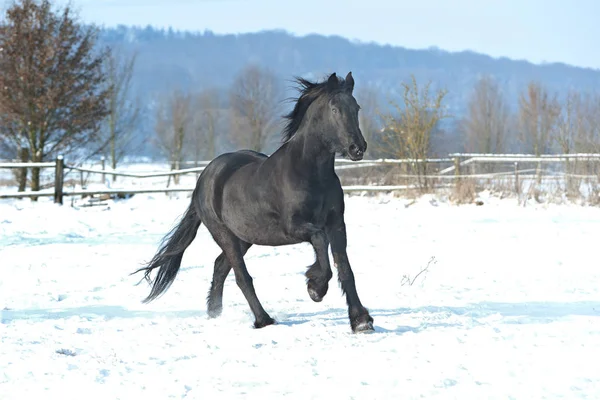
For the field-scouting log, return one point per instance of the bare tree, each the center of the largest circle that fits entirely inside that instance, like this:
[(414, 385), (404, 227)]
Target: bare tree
[(588, 135), (538, 116), (485, 126), (255, 106), (14, 141), (173, 126), (206, 118), (53, 91), (368, 117), (569, 124), (123, 112), (408, 132)]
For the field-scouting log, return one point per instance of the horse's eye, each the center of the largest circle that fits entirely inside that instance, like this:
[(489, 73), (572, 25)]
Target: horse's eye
[(334, 110)]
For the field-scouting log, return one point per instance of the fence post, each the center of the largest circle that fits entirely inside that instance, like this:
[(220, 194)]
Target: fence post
[(103, 161), (517, 186), (457, 171), (22, 175), (59, 179)]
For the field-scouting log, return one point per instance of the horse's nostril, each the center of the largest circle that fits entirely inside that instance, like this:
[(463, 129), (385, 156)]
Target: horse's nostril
[(355, 151)]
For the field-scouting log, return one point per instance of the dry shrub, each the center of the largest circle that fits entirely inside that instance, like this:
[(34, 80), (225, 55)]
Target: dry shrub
[(8, 182), (505, 185), (594, 194), (464, 191), (557, 194), (410, 281)]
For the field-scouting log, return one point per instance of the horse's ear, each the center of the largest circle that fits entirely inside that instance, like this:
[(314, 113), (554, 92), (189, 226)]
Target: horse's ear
[(333, 82), (349, 82)]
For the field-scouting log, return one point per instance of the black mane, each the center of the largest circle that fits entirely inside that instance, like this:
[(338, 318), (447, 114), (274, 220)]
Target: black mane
[(309, 92)]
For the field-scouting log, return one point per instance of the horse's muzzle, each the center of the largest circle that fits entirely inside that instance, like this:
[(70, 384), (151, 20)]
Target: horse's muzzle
[(355, 152)]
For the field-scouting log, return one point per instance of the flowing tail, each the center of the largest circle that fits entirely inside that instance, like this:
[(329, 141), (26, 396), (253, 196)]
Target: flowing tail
[(168, 258)]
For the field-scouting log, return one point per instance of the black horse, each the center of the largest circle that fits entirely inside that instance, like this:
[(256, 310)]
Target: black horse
[(293, 196)]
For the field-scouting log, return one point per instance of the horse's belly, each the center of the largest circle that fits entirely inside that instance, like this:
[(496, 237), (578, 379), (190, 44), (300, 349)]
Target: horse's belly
[(260, 229)]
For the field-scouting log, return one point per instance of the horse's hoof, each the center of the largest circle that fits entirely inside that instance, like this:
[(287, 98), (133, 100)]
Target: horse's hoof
[(214, 313), (364, 327), (314, 295), (363, 324), (266, 322), (316, 291)]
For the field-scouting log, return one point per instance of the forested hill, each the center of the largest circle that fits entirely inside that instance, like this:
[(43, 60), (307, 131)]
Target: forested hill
[(168, 58), (193, 61)]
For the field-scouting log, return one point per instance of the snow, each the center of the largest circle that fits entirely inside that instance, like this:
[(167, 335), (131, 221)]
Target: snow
[(508, 309)]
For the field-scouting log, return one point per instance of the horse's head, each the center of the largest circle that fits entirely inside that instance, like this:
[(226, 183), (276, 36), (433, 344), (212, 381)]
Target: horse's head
[(341, 119), (329, 113)]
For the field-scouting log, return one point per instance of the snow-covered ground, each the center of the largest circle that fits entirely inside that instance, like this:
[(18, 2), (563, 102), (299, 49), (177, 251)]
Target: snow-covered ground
[(510, 309)]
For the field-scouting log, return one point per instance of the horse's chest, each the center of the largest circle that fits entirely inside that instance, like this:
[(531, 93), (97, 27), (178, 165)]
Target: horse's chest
[(312, 210)]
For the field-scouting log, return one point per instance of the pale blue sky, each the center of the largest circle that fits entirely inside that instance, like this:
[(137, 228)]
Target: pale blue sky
[(535, 30)]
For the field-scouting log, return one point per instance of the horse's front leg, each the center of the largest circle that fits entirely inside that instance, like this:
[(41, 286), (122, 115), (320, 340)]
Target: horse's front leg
[(360, 320), (319, 274)]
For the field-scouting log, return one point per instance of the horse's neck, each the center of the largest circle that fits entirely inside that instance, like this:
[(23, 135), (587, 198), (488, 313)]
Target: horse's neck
[(312, 155)]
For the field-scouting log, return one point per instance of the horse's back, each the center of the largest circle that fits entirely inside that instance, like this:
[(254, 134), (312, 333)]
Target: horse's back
[(227, 163), (217, 173)]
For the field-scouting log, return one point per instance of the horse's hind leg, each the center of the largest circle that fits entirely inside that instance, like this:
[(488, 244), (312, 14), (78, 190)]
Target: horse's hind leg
[(319, 274), (234, 255), (221, 270)]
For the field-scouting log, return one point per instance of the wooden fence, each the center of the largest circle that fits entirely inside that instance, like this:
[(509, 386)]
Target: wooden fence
[(457, 166)]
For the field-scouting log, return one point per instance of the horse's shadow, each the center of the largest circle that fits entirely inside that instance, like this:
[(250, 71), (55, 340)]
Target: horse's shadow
[(386, 320), (91, 312), (441, 316)]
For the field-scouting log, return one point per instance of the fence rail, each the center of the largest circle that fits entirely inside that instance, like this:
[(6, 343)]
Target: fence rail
[(134, 175), (457, 160), (27, 165)]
